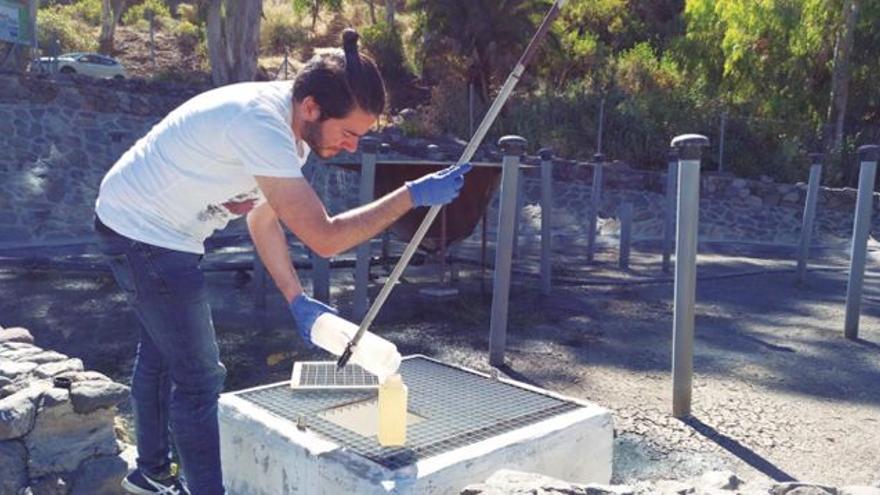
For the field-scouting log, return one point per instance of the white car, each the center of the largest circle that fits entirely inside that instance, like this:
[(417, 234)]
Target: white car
[(89, 64)]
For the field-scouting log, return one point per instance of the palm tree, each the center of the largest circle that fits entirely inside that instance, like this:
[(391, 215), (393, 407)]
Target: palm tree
[(490, 34)]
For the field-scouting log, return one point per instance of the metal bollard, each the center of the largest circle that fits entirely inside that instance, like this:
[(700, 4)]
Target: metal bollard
[(520, 204), (868, 155), (321, 266), (625, 215), (369, 145), (260, 278), (690, 149), (546, 155), (809, 216), (385, 149), (513, 147), (595, 204), (669, 220)]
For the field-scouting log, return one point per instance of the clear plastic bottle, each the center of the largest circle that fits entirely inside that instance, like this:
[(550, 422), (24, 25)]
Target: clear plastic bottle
[(373, 353), (392, 412)]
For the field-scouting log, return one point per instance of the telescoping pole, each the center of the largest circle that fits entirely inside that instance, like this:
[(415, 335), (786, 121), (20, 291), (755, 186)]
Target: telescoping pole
[(466, 156)]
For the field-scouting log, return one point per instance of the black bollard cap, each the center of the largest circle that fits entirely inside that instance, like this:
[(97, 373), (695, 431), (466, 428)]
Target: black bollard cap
[(869, 153), (512, 145), (546, 154), (369, 144), (816, 158)]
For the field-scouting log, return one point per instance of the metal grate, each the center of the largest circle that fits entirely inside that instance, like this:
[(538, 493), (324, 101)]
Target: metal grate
[(459, 408), (325, 374)]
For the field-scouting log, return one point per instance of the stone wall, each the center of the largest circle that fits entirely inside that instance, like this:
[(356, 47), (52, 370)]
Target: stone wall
[(730, 209), (56, 422), (60, 137)]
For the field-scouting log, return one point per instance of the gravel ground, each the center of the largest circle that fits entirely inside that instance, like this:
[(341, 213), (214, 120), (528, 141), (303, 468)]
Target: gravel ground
[(778, 392)]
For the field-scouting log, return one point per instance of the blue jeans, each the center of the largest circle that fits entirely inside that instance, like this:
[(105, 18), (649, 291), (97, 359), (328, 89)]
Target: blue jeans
[(177, 375)]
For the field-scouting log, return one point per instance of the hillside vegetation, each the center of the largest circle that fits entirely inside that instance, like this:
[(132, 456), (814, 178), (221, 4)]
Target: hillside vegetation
[(781, 77)]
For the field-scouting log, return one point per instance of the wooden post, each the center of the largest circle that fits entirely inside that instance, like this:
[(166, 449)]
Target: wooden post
[(513, 147), (690, 149), (369, 146), (546, 155), (809, 216), (868, 155)]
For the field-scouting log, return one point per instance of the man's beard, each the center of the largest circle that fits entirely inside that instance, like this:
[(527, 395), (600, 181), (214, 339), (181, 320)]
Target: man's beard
[(313, 135)]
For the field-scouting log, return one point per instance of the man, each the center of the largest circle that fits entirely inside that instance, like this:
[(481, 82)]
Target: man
[(231, 151)]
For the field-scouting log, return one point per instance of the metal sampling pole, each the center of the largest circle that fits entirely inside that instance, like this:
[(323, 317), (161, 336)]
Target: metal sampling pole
[(466, 156)]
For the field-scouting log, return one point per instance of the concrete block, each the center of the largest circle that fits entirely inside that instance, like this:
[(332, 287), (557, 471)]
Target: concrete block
[(266, 454)]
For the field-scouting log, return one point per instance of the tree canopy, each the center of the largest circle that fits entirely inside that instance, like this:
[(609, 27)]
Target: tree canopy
[(785, 77)]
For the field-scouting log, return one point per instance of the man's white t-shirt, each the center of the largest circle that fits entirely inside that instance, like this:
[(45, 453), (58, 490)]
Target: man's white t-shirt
[(194, 171)]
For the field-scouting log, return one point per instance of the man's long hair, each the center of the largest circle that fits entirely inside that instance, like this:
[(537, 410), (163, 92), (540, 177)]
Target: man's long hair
[(342, 80)]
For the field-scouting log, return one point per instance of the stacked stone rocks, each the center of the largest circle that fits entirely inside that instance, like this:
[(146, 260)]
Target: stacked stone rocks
[(56, 422), (506, 482)]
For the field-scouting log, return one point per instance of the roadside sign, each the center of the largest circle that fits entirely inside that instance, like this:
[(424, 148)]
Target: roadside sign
[(15, 22)]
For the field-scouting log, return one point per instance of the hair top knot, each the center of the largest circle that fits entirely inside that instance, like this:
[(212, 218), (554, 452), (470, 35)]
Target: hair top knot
[(350, 39)]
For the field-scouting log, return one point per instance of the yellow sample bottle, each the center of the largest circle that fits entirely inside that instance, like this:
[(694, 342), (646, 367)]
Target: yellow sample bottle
[(392, 412)]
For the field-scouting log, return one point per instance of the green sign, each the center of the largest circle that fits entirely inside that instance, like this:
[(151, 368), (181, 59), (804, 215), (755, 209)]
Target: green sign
[(15, 22)]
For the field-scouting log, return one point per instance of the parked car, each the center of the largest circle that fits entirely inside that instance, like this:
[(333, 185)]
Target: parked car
[(89, 64)]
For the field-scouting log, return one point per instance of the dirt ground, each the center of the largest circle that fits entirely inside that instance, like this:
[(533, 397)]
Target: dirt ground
[(778, 392)]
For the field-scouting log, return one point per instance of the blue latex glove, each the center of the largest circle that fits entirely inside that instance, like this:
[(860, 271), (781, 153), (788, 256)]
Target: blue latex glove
[(305, 311), (438, 188)]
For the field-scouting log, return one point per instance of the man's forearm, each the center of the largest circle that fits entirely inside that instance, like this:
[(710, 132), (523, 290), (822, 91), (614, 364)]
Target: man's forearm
[(271, 245), (347, 230)]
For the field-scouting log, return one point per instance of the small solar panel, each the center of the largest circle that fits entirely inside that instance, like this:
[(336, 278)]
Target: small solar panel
[(324, 375)]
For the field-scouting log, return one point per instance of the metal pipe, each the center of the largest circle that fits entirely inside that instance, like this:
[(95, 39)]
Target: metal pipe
[(601, 128), (468, 153), (320, 265), (484, 231), (690, 148), (809, 216), (626, 219), (443, 246), (721, 141), (669, 220), (595, 204), (520, 203), (868, 155), (546, 219), (369, 145), (259, 282), (513, 147)]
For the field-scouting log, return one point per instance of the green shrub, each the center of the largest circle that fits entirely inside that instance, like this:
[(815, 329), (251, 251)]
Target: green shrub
[(188, 36), (385, 45), (72, 33), (447, 112), (280, 31), (188, 12), (136, 13), (88, 11)]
